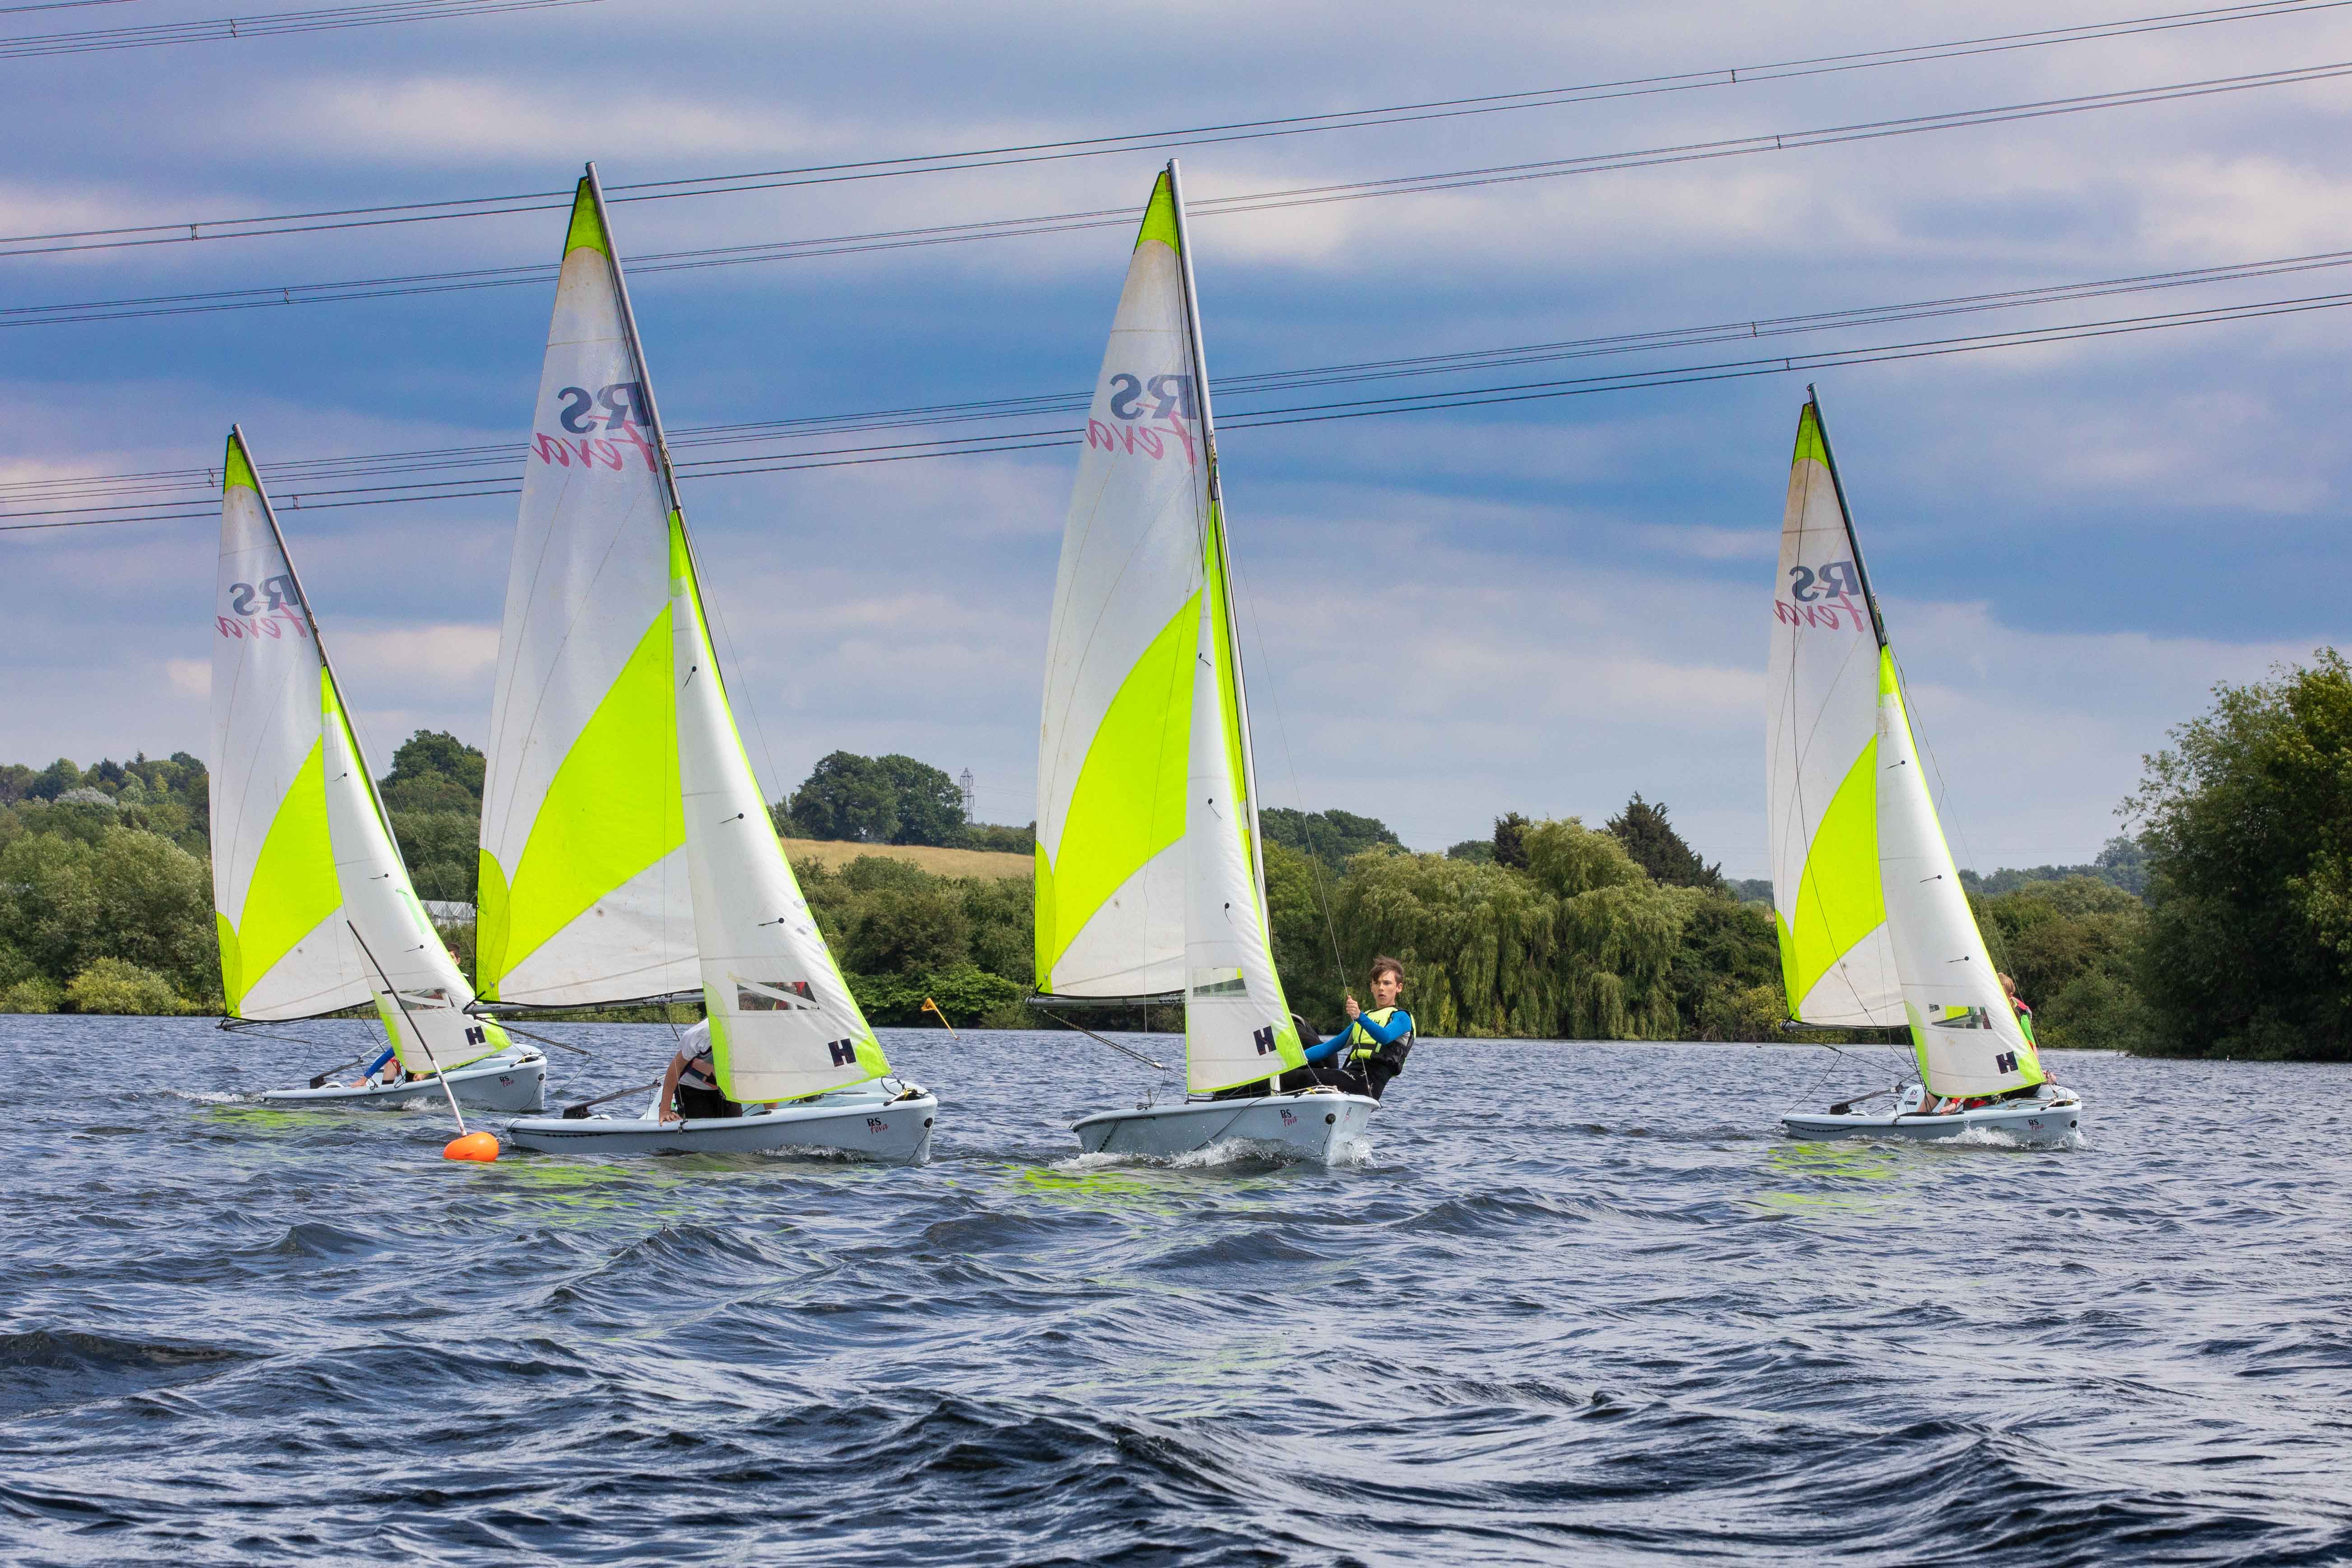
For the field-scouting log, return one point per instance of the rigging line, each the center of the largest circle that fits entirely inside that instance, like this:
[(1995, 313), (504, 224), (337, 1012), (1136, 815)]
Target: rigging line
[(1625, 381), (59, 6), (277, 24), (1790, 140), (443, 459)]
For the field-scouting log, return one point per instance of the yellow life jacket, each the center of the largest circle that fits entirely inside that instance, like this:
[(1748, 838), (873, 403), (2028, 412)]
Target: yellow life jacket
[(1361, 1047)]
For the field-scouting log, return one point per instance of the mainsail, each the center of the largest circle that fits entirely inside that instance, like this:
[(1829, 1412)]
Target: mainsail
[(623, 830), (1875, 926), (313, 902), (1148, 877)]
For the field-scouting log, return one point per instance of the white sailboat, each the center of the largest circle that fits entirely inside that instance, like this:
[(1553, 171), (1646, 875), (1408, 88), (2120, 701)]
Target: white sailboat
[(1149, 886), (312, 901), (1874, 927), (627, 853)]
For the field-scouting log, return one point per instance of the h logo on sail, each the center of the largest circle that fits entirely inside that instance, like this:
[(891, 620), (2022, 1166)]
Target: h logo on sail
[(2005, 1062), (1264, 1039), (476, 1035), (845, 1052)]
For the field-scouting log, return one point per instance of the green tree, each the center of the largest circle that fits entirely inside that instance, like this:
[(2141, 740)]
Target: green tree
[(434, 771), (2247, 825), (118, 986), (1658, 849), (929, 804), (1471, 850), (847, 797), (156, 909), (1510, 847), (1332, 837)]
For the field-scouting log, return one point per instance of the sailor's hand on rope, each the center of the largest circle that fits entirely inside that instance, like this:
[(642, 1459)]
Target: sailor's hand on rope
[(1354, 1012)]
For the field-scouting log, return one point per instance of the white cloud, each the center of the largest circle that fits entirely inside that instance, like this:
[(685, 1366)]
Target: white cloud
[(189, 677)]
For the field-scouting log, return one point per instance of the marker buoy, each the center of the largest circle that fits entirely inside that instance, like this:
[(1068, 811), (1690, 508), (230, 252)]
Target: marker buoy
[(482, 1146)]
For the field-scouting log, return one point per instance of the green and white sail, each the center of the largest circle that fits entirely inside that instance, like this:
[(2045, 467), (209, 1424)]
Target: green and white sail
[(1875, 926), (1149, 876), (632, 847), (313, 905), (585, 895)]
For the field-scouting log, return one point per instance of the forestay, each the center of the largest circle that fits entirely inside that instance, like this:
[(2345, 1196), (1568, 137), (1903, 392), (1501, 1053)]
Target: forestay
[(310, 896), (649, 863)]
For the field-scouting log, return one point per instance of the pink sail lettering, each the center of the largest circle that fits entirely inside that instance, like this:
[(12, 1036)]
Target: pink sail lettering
[(552, 450)]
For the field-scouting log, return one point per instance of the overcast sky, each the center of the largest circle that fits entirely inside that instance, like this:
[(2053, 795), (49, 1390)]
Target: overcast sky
[(1539, 606)]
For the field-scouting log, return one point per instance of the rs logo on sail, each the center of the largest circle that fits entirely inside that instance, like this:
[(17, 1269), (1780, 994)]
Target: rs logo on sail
[(1134, 401), (1820, 593), (278, 599), (619, 410)]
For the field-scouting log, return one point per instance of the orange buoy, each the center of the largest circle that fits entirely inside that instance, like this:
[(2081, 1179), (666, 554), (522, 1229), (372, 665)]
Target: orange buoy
[(482, 1146)]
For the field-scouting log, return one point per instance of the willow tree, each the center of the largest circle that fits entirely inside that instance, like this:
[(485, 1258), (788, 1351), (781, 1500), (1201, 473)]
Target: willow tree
[(1618, 932), (1476, 940)]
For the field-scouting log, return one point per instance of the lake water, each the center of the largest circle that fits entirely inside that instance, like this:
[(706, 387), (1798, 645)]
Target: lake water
[(1573, 1302)]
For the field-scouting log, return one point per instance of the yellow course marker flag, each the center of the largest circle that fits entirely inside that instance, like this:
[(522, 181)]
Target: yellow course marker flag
[(933, 1008)]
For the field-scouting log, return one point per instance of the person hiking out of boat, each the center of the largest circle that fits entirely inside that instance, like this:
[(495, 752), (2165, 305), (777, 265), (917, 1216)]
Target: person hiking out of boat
[(690, 1088), (1370, 1049), (387, 1066)]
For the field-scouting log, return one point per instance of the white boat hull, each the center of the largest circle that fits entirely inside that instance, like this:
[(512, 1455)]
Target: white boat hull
[(890, 1126), (2043, 1124), (511, 1080), (1312, 1125)]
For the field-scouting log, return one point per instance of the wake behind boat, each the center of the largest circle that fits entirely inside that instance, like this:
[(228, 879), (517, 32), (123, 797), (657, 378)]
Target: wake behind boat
[(1875, 930), (1151, 884)]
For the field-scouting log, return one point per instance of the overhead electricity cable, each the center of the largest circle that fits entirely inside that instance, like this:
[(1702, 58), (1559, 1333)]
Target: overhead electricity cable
[(276, 25), (1357, 408), (446, 461), (1214, 207), (60, 5), (181, 231)]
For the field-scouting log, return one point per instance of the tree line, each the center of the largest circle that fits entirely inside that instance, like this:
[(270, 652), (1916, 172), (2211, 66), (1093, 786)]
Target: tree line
[(2220, 925)]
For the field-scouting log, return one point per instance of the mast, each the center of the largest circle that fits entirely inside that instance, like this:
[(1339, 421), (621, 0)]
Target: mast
[(1877, 622), (1217, 510), (653, 404)]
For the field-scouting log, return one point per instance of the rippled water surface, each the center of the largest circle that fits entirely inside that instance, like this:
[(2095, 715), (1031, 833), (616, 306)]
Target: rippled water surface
[(1574, 1301)]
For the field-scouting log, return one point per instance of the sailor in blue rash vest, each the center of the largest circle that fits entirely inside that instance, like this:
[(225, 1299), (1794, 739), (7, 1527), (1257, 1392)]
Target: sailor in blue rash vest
[(1371, 1050)]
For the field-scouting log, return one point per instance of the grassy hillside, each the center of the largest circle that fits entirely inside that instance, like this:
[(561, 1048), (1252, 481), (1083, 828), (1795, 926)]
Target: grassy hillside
[(833, 855)]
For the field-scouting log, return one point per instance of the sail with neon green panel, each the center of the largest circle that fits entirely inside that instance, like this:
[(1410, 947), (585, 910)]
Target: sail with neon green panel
[(312, 903), (1150, 880), (1837, 957), (1876, 928), (622, 827), (585, 893), (1115, 742)]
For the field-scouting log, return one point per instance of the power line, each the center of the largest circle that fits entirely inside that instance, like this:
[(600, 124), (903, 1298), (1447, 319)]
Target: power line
[(191, 230), (1423, 402), (1214, 207), (443, 462), (277, 24)]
